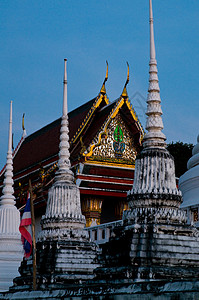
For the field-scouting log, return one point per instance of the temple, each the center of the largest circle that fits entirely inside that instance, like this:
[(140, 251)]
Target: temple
[(152, 252), (105, 138)]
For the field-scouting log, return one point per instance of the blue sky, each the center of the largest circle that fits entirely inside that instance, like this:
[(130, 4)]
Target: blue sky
[(37, 35)]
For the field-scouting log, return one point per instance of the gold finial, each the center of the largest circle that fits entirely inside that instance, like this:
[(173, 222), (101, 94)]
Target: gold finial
[(23, 127), (103, 89), (83, 148), (127, 81), (124, 93), (106, 78)]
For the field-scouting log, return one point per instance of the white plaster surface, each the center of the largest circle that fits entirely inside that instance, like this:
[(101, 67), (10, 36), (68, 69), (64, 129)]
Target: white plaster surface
[(189, 181), (11, 250)]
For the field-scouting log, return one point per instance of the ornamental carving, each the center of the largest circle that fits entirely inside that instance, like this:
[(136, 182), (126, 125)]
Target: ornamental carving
[(154, 121), (116, 143)]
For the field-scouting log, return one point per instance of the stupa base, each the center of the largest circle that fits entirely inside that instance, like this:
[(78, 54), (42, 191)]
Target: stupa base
[(143, 290), (59, 264)]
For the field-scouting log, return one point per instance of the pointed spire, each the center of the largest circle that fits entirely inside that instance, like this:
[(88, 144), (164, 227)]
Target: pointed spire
[(152, 42), (8, 198), (64, 155), (124, 92), (65, 104), (23, 127), (103, 89), (63, 211), (11, 251), (154, 125)]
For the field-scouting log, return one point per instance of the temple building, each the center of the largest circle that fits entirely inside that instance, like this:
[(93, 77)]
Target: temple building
[(105, 138), (152, 253)]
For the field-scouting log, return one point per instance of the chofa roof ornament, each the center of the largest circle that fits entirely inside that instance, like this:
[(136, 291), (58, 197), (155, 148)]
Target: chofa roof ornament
[(124, 93), (103, 89)]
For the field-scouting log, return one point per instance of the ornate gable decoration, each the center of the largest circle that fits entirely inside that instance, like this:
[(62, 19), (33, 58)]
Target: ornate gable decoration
[(114, 145), (95, 105), (98, 100)]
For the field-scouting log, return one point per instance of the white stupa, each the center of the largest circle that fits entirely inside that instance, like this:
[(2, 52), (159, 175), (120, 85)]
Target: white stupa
[(11, 250), (65, 254), (155, 247), (189, 185)]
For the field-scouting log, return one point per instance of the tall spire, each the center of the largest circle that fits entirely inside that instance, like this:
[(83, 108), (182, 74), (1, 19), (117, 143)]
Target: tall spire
[(63, 208), (10, 238), (65, 101), (154, 177), (64, 155), (154, 125), (73, 256), (23, 127), (8, 198), (152, 42)]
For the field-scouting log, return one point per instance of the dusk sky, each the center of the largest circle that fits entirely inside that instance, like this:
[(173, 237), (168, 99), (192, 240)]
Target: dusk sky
[(36, 36)]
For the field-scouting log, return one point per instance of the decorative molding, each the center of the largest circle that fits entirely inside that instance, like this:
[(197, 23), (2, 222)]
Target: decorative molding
[(95, 105), (103, 130), (155, 215)]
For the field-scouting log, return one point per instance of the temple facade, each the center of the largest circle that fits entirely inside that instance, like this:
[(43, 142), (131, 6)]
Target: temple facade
[(104, 137)]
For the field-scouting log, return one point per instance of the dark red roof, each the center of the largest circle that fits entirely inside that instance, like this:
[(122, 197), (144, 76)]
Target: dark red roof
[(44, 143), (37, 147)]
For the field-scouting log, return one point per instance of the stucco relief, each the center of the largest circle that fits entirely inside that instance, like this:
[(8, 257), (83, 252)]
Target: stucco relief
[(154, 121), (117, 142)]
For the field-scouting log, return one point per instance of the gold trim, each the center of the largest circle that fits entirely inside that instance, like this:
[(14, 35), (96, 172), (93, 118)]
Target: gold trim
[(132, 111), (117, 109), (135, 117), (124, 92), (91, 150), (102, 95), (94, 162), (23, 127), (103, 89), (112, 115), (89, 115)]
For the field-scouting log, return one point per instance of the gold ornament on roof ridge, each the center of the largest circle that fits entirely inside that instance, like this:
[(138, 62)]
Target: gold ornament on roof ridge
[(103, 89), (23, 127), (124, 93)]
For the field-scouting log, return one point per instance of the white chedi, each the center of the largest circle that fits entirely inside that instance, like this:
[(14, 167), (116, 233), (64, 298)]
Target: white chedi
[(63, 217), (11, 250), (189, 184)]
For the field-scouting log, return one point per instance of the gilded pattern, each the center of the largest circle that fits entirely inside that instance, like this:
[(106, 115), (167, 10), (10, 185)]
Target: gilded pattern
[(116, 143)]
